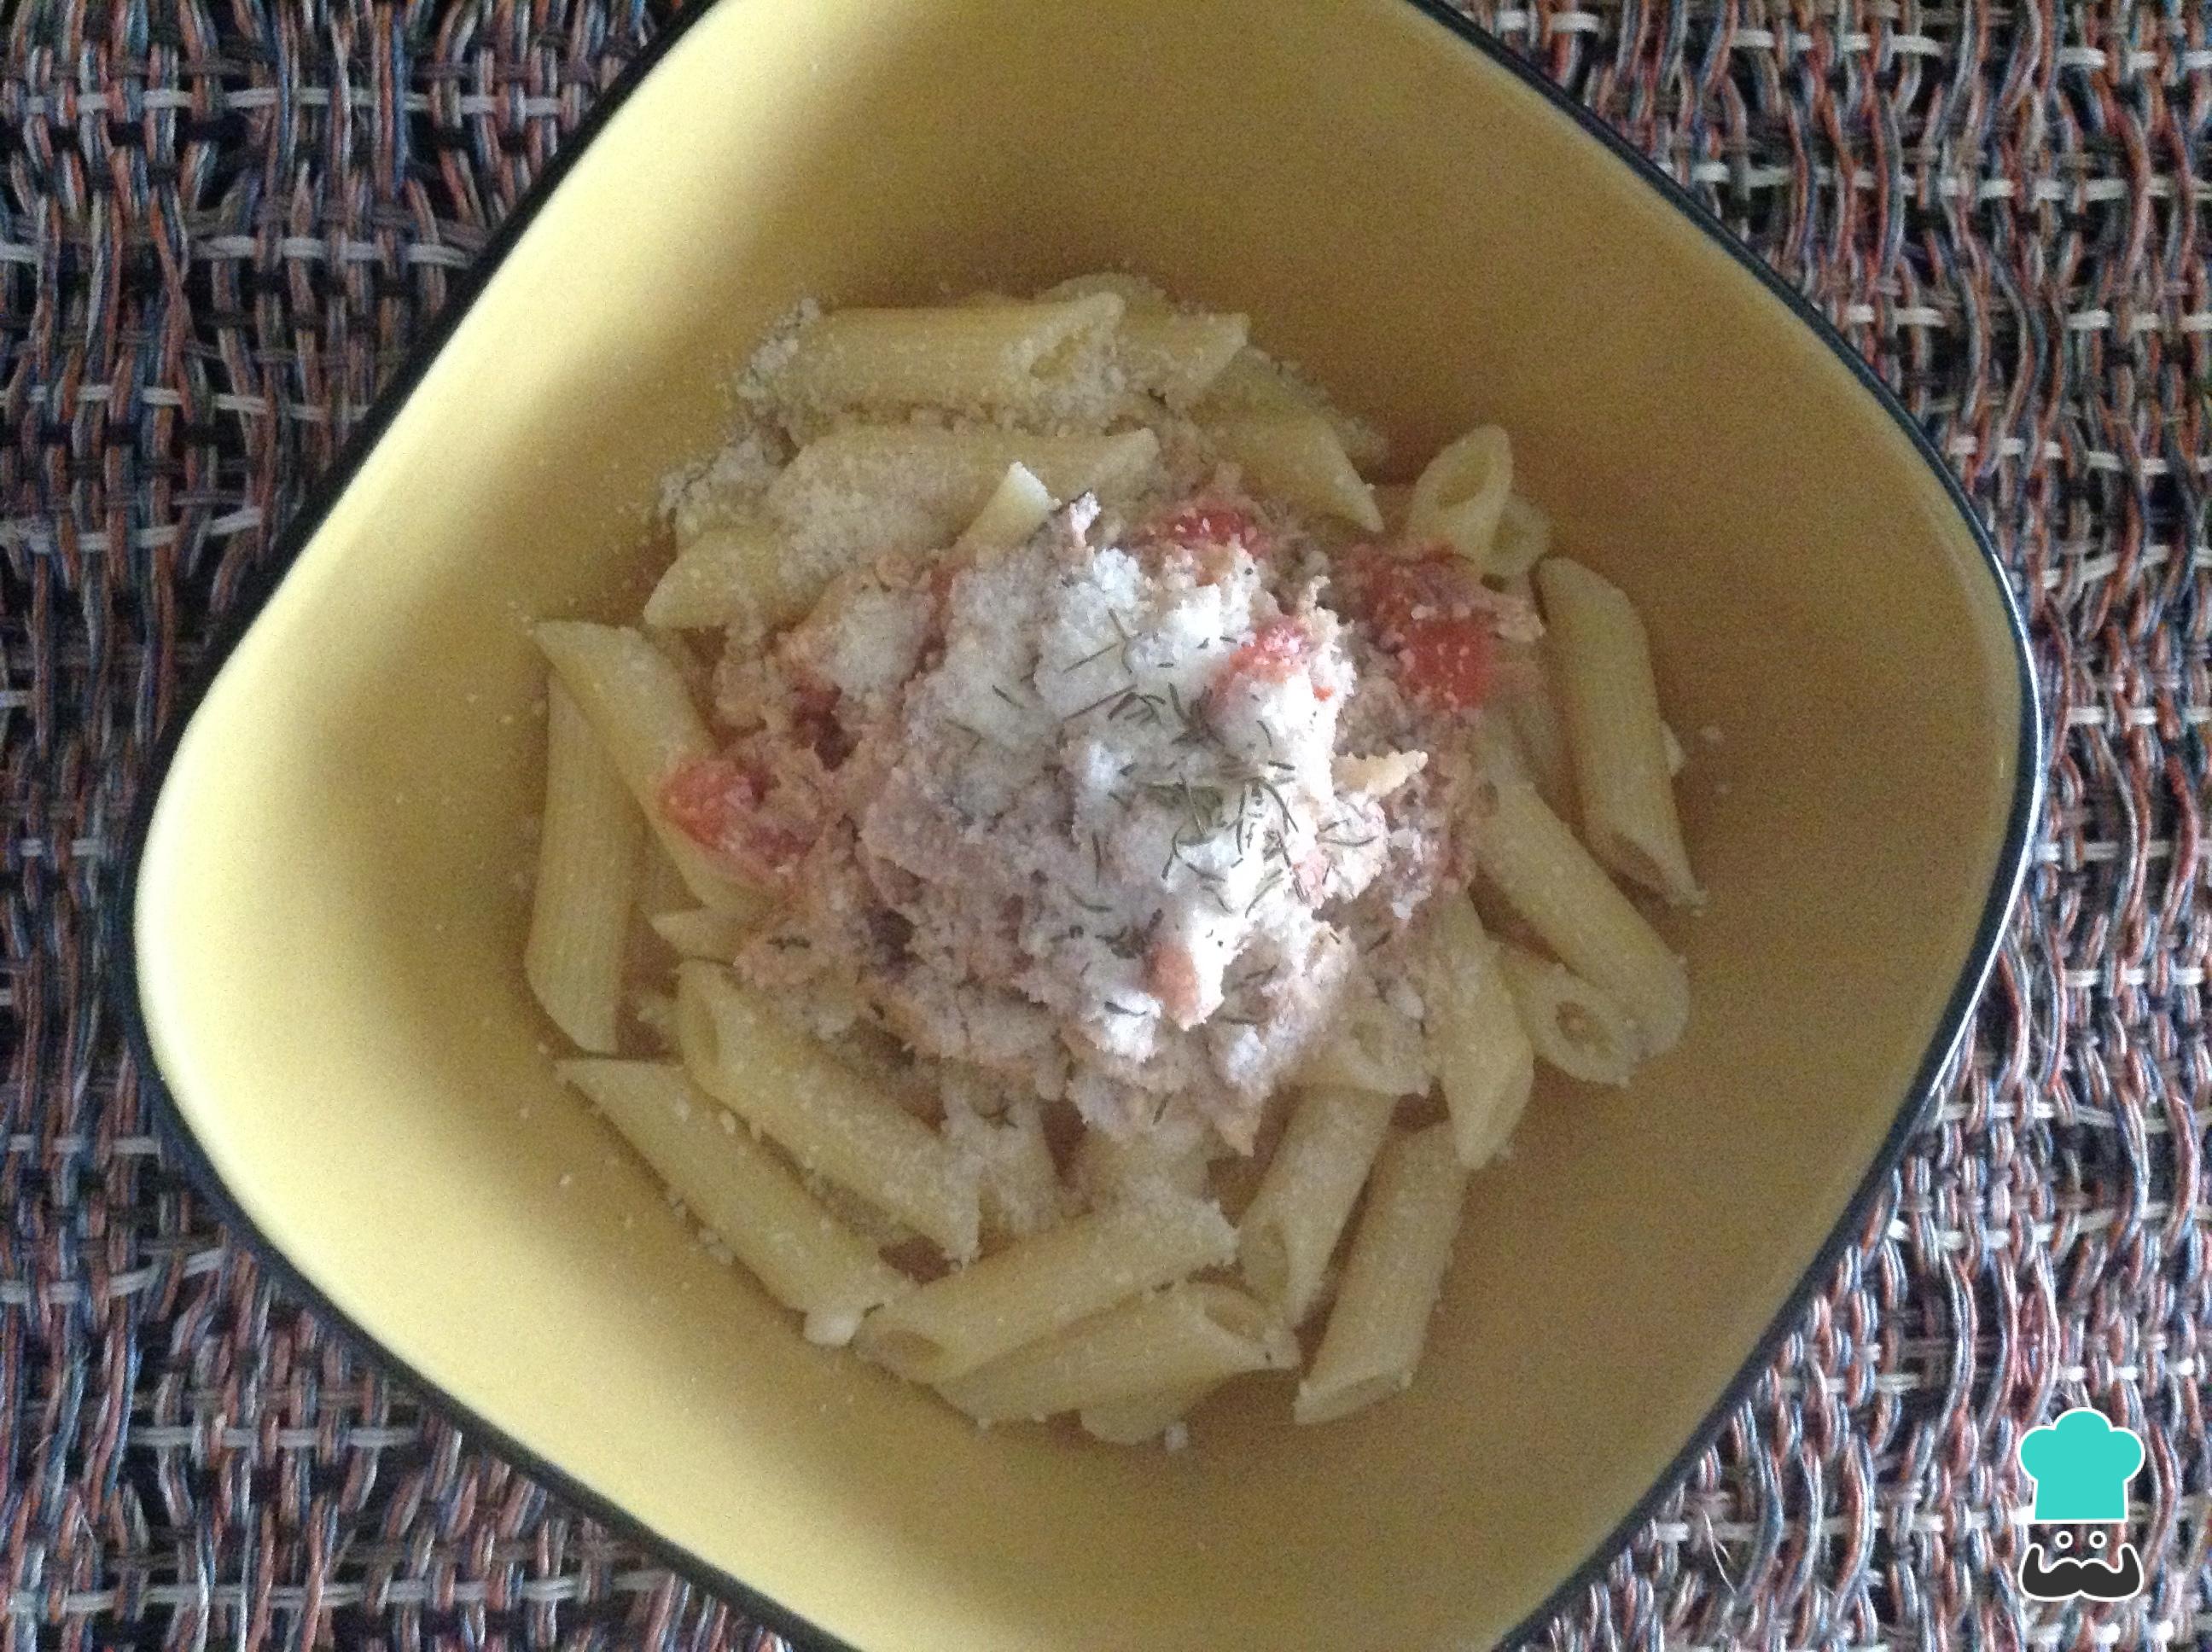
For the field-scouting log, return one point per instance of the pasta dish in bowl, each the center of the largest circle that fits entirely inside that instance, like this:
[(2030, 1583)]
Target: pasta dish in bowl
[(846, 1048), (1064, 786)]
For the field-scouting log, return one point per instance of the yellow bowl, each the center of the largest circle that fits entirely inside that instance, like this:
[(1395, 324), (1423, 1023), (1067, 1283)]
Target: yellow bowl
[(328, 909)]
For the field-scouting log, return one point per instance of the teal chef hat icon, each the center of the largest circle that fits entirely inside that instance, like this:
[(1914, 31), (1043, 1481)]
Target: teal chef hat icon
[(2081, 1465)]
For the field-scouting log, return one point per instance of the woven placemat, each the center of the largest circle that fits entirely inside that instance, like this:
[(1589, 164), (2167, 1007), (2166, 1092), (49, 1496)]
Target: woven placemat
[(222, 223)]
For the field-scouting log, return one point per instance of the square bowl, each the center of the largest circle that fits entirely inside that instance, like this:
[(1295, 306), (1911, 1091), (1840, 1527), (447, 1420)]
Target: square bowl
[(327, 912)]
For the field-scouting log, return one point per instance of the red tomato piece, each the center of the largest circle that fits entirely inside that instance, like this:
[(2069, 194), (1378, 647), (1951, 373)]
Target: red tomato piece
[(1431, 611), (1200, 523), (1447, 662), (719, 803), (1275, 652), (1393, 592)]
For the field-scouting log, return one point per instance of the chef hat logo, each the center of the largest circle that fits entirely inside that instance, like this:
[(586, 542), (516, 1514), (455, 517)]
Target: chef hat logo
[(2081, 1465)]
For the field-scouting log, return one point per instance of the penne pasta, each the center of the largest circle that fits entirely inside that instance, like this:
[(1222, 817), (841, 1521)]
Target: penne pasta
[(1378, 1048), (1602, 665), (819, 1111), (1040, 1285), (712, 495), (1109, 1167), (587, 863), (636, 704), (1298, 456), (1483, 1056), (1175, 354), (1497, 752), (697, 675), (1019, 1185), (930, 822), (1572, 1025), (915, 487), (1138, 294), (887, 1236), (1524, 699), (1143, 1417), (1522, 540), (660, 889), (879, 1057), (733, 569), (1291, 1227), (1550, 880), (1234, 1179), (660, 886), (1021, 358), (702, 934), (1255, 385), (1185, 1337), (802, 1254), (1461, 495), (1391, 1279), (1016, 509)]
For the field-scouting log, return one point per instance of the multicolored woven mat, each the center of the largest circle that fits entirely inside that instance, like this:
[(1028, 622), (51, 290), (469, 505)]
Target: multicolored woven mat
[(223, 221)]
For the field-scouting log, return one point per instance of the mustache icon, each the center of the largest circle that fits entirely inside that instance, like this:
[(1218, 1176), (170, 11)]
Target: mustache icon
[(2044, 1579)]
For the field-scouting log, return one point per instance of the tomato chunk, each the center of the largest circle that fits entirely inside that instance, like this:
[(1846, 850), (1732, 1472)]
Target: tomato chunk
[(1277, 651), (1431, 612), (721, 804), (1392, 591), (1447, 663)]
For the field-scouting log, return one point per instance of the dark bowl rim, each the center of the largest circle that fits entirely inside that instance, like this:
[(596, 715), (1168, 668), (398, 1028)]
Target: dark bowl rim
[(262, 583)]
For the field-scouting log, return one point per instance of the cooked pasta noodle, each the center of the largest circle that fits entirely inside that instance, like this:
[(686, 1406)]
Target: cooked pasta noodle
[(1014, 882)]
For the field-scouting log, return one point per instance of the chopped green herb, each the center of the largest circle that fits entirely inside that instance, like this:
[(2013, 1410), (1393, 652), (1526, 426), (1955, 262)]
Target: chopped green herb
[(1268, 885), (1136, 705), (1084, 711)]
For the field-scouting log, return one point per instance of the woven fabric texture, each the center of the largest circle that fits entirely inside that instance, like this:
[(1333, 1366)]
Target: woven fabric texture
[(223, 221)]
